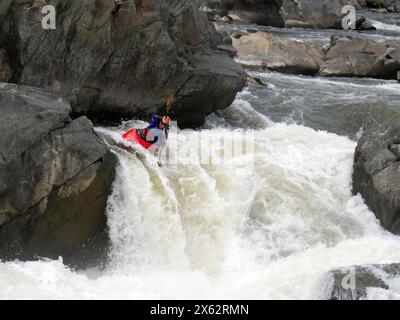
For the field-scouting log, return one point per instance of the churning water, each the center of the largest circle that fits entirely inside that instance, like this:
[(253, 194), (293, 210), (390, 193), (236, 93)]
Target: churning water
[(268, 226), (268, 229)]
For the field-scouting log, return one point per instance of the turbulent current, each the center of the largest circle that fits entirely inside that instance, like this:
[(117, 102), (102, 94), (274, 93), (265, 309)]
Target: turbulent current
[(266, 226)]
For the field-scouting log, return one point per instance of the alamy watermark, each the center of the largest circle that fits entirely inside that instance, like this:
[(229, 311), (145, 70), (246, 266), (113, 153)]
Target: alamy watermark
[(49, 21), (349, 280), (349, 21), (208, 147)]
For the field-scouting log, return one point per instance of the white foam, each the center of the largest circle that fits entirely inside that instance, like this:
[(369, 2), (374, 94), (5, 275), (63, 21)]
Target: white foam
[(259, 230), (384, 26)]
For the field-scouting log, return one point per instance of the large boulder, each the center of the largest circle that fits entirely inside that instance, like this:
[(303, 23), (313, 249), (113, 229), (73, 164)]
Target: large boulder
[(359, 57), (376, 175), (359, 282), (284, 13), (264, 50), (123, 65), (55, 178)]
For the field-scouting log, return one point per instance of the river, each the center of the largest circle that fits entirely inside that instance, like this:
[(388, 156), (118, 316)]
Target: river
[(268, 226)]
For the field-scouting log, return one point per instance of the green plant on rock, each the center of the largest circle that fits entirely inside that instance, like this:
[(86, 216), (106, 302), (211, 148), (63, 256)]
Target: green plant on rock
[(142, 32)]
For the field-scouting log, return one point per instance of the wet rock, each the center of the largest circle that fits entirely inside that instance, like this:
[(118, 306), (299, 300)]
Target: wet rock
[(366, 25), (359, 57), (256, 81), (122, 65), (376, 175), (263, 50), (356, 282), (56, 175)]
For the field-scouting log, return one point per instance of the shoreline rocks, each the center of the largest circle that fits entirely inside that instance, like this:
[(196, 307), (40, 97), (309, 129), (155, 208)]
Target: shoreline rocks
[(283, 13), (376, 175), (344, 57), (121, 66), (56, 175)]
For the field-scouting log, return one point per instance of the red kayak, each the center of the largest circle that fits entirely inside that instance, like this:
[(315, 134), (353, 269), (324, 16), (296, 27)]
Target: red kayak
[(133, 136)]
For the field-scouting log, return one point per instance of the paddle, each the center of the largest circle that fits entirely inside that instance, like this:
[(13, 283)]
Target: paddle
[(170, 102)]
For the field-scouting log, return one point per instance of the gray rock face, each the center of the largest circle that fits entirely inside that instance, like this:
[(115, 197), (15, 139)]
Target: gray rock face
[(123, 65), (377, 175), (378, 277), (56, 175), (357, 57), (263, 50), (5, 69), (284, 13)]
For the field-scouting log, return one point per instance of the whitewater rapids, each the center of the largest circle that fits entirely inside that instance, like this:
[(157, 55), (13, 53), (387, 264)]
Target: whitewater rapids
[(266, 227)]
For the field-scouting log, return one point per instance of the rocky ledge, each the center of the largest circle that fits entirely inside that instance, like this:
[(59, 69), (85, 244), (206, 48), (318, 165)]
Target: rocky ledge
[(122, 65), (55, 178), (377, 175)]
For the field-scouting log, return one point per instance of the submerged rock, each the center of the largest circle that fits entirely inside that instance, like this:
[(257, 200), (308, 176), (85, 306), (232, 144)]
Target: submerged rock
[(123, 65), (376, 175), (55, 178), (356, 282)]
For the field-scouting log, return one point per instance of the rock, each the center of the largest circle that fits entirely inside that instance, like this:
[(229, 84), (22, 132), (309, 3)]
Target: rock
[(210, 70), (4, 7), (365, 26), (6, 72), (256, 81), (56, 175), (379, 10), (376, 175), (237, 34), (359, 57), (360, 21), (112, 67), (366, 278), (229, 49), (264, 50), (284, 13), (380, 4)]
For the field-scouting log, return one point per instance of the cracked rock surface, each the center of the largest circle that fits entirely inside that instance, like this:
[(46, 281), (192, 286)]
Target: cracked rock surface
[(376, 175), (124, 65), (55, 178)]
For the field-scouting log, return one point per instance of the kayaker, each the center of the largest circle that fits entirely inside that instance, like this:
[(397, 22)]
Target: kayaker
[(154, 137)]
